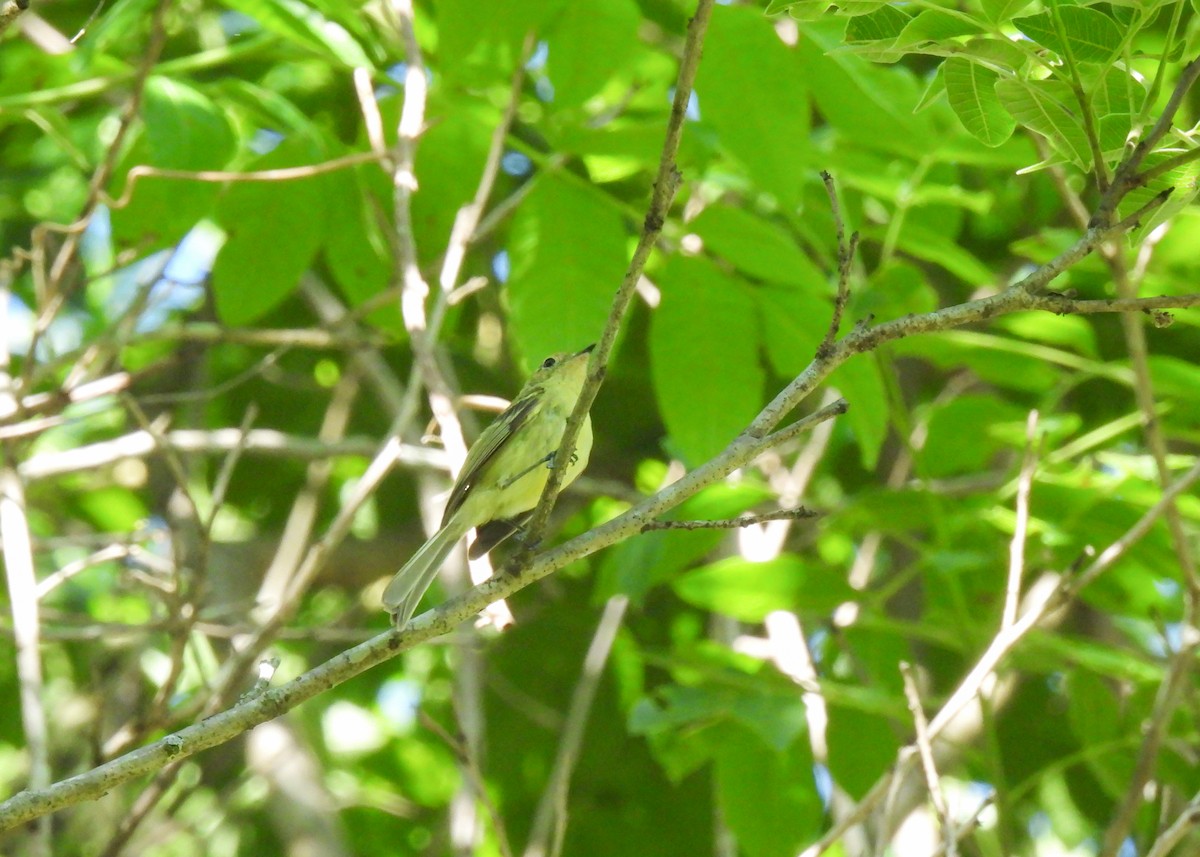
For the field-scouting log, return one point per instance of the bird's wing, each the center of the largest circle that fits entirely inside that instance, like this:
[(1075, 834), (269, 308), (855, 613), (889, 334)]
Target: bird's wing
[(484, 449)]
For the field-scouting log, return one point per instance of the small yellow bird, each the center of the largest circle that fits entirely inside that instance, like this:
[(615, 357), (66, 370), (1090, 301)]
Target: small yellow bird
[(503, 476)]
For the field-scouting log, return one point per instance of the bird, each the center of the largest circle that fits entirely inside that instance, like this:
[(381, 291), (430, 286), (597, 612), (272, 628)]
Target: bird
[(503, 476)]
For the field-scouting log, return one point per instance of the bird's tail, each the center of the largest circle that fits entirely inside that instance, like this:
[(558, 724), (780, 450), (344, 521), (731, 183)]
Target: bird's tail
[(404, 593)]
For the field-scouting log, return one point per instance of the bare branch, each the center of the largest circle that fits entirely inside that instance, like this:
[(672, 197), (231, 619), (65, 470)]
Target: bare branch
[(1181, 827), (665, 185), (734, 523), (264, 442), (925, 753), (846, 251), (10, 10), (1126, 178), (22, 592), (1016, 554)]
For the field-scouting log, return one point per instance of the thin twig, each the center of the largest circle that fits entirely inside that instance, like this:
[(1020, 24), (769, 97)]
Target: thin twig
[(1125, 177), (467, 761), (928, 766), (281, 174), (739, 522), (415, 291), (372, 119), (665, 185), (296, 538), (22, 592), (1184, 824), (308, 337), (225, 475), (1016, 551), (1085, 108), (60, 399), (845, 259), (262, 442), (962, 831), (112, 553), (1173, 163)]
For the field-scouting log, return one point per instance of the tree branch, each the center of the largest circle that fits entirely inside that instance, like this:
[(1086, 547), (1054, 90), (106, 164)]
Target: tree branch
[(665, 185)]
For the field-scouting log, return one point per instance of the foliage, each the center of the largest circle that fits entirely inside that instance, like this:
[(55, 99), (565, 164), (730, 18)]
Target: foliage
[(223, 325)]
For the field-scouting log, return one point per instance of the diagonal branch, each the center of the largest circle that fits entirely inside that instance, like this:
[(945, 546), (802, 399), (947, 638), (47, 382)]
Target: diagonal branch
[(665, 185)]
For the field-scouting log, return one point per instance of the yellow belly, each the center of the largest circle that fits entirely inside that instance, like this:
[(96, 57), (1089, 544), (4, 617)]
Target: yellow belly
[(516, 476)]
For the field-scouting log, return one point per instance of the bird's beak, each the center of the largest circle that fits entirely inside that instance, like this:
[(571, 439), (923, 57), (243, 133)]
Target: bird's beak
[(587, 350)]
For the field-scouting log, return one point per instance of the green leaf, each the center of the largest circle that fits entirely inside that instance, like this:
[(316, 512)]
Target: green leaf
[(994, 52), (706, 328), (567, 253), (999, 11), (971, 90), (273, 230), (897, 289), (119, 20), (861, 101), (794, 322), (1114, 133), (938, 26), (885, 24), (614, 151), (862, 386), (1095, 718), (758, 247), (775, 717), (636, 566), (113, 509), (998, 360), (808, 10), (1086, 34), (1032, 103), (930, 199), (768, 798), (1066, 331), (485, 39), (935, 88), (850, 8), (957, 442), (303, 25), (894, 512), (748, 71), (589, 47), (748, 591), (183, 130), (1052, 651), (942, 249), (1184, 179), (356, 248), (1119, 92), (449, 164), (862, 746)]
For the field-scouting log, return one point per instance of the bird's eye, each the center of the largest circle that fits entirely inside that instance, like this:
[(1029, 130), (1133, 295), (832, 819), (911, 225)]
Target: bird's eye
[(548, 362)]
